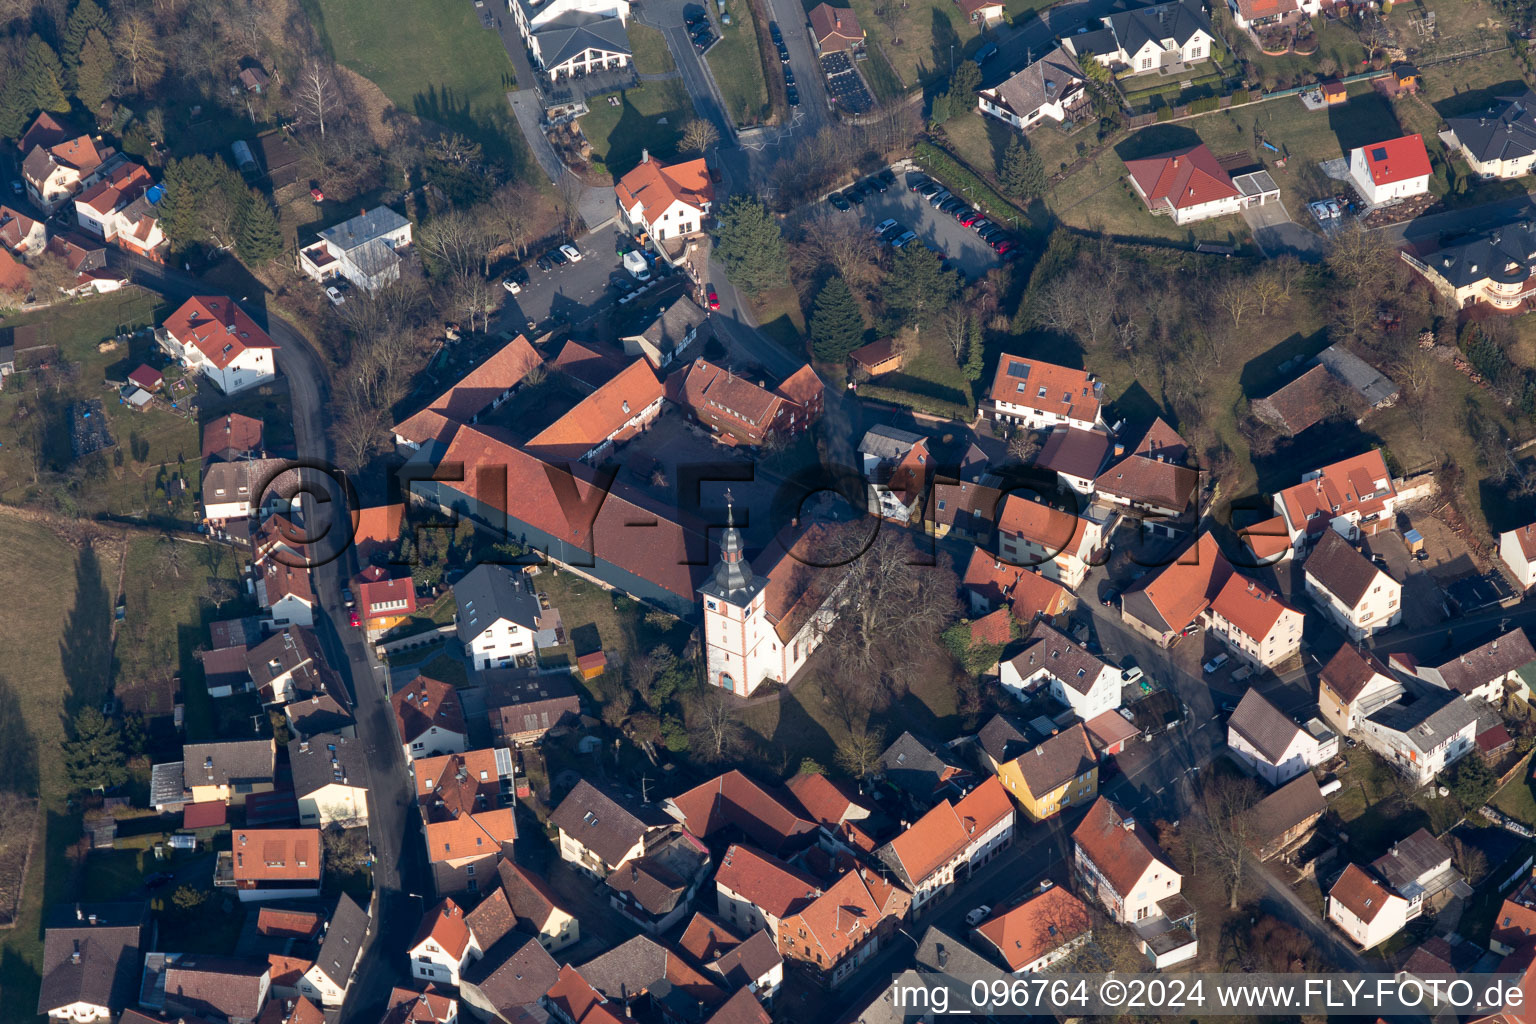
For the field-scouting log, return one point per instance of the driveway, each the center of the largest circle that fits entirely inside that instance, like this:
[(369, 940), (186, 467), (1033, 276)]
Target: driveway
[(1274, 232), (667, 15), (939, 230), (1456, 222), (574, 292)]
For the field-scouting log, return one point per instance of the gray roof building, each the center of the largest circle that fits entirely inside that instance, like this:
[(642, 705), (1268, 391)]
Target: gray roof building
[(1051, 79), (608, 825), (91, 955), (887, 443), (1264, 726), (1416, 866), (573, 35), (486, 595), (668, 331), (326, 759), (344, 938), (228, 762), (1428, 721), (364, 228), (1484, 257), (167, 785), (1505, 131), (220, 987), (1178, 20), (910, 766), (1341, 569), (1359, 376), (1003, 738), (510, 979)]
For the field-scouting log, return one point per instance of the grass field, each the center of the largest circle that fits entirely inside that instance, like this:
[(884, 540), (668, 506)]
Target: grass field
[(650, 116), (737, 64), (649, 48), (600, 620), (34, 409), (433, 59), (927, 36), (779, 315), (42, 680)]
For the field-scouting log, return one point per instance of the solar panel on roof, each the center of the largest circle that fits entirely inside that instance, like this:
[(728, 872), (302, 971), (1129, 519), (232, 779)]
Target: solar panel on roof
[(1379, 153), (1017, 369)]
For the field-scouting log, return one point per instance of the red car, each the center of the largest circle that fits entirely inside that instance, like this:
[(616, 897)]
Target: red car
[(714, 300), (356, 622), (1002, 247), (968, 217)]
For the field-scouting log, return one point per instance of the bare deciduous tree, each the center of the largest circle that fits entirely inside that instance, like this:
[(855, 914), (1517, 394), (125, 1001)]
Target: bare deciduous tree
[(699, 135), (859, 752), (457, 241), (954, 325), (317, 94), (138, 49), (1234, 296), (713, 717), (1228, 828), (510, 214), (1023, 445), (843, 244)]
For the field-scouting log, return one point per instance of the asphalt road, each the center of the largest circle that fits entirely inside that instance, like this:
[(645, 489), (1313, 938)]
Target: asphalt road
[(393, 824), (1460, 222), (814, 110)]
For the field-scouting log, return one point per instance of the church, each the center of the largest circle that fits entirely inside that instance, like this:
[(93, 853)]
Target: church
[(761, 628)]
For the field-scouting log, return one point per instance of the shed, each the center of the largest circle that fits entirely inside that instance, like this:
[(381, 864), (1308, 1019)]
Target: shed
[(208, 814), (244, 158), (592, 665), (877, 357), (147, 377), (1415, 541), (1334, 92), (137, 397)]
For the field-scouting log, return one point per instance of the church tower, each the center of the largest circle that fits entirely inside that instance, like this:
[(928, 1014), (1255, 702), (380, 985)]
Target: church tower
[(738, 638)]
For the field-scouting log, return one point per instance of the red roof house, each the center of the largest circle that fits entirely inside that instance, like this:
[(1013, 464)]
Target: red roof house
[(1187, 183)]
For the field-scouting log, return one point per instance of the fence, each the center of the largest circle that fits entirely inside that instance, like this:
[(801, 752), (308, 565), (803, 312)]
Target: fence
[(414, 641)]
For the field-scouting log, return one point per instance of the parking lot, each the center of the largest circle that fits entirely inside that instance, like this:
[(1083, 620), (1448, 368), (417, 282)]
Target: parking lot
[(570, 294), (939, 230)]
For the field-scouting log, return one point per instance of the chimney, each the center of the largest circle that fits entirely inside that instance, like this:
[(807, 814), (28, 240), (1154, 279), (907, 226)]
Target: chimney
[(645, 156), (943, 956), (79, 914), (74, 957), (1175, 163), (91, 918)]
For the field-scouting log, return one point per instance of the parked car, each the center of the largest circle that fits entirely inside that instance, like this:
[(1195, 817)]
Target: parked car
[(792, 95), (916, 181), (334, 294), (855, 196), (951, 206), (353, 620), (511, 286), (346, 597), (903, 239), (893, 233), (774, 33), (876, 184), (571, 253), (885, 225), (1132, 674), (981, 225), (985, 54), (783, 54), (978, 915), (838, 201), (713, 298), (789, 76), (990, 232), (1214, 665), (558, 258), (968, 217), (1191, 629), (158, 879), (887, 176), (1110, 597), (701, 43), (543, 263)]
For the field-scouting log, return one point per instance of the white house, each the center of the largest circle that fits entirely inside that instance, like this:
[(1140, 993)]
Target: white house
[(1074, 677), (1258, 13), (1272, 745), (1352, 686), (1062, 545), (665, 200), (326, 981), (91, 961), (330, 780), (1518, 550), (120, 209), (444, 946), (58, 166), (1389, 171), (213, 336), (1367, 911), (1499, 142), (925, 856), (285, 593), (569, 36), (1422, 736), (498, 618), (1189, 185), (1165, 35), (1116, 861), (1254, 623), (365, 250), (1052, 87), (1037, 396), (430, 718), (1482, 674), (1041, 931), (1355, 496), (21, 234), (1360, 598)]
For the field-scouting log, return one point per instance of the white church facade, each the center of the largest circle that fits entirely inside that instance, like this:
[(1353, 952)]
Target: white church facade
[(762, 628)]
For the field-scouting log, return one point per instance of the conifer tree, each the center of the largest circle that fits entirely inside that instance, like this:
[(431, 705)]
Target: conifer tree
[(95, 71), (93, 756), (259, 238), (1021, 173), (44, 76), (86, 16), (837, 326), (751, 245)]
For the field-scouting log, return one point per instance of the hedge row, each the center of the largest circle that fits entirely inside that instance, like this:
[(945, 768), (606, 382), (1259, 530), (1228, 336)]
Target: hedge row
[(961, 179), (918, 403)]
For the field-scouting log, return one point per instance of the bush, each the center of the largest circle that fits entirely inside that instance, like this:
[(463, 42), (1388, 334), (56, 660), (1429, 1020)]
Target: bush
[(1204, 106), (1165, 113), (959, 178), (1239, 97), (918, 403)]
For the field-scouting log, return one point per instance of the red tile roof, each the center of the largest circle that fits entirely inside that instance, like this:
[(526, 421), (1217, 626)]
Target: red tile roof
[(147, 377), (274, 922), (1182, 178), (217, 328), (1396, 160), (208, 814), (1526, 537), (1106, 729), (1360, 484), (277, 854), (824, 800), (1266, 540), (377, 528), (1515, 923), (587, 365), (46, 130), (425, 702), (1162, 439), (706, 939), (835, 27), (845, 915), (734, 800), (287, 970), (478, 388), (654, 186), (571, 997), (1121, 854), (984, 806), (1186, 587), (1250, 606), (1360, 894), (1036, 927), (931, 842), (1057, 531), (1073, 393), (768, 883), (231, 432), (628, 530), (444, 925), (122, 185), (996, 627), (374, 587)]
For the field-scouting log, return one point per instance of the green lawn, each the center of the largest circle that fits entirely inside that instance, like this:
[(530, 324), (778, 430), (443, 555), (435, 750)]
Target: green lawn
[(650, 116), (779, 314), (433, 59), (928, 36), (601, 620), (1336, 42), (43, 680), (649, 48), (34, 413), (1517, 801), (880, 76), (737, 65)]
